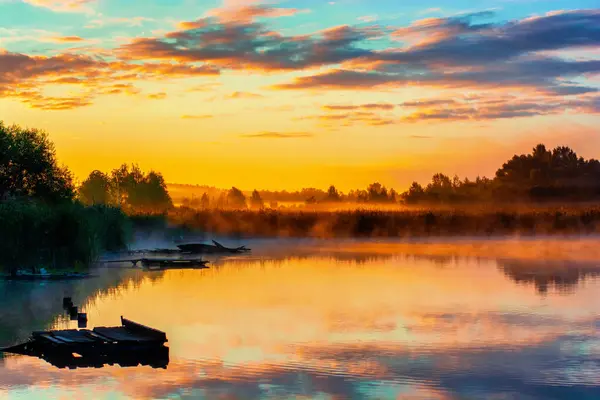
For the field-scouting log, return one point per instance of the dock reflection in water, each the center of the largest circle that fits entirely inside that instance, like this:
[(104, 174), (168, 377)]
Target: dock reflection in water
[(155, 357), (385, 326)]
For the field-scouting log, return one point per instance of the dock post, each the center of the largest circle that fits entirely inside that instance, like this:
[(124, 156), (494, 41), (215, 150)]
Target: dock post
[(82, 320), (67, 303), (73, 311)]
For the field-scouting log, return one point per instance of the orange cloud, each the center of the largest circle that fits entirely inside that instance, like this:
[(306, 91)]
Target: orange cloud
[(251, 12), (371, 106), (497, 107), (61, 5), (20, 73), (66, 39), (244, 95), (157, 96)]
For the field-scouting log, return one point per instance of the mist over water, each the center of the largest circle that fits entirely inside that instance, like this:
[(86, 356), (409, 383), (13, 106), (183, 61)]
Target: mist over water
[(429, 319)]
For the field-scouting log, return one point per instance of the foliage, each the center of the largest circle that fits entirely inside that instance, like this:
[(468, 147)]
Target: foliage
[(236, 199), (543, 175), (29, 168), (204, 202), (96, 189), (401, 223), (333, 195), (129, 188), (40, 223), (60, 236), (221, 201), (256, 201)]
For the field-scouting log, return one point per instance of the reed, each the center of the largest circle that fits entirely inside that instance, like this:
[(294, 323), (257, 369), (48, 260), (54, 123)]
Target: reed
[(389, 223), (63, 236)]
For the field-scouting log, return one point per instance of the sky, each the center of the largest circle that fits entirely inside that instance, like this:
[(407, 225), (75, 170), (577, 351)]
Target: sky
[(292, 94)]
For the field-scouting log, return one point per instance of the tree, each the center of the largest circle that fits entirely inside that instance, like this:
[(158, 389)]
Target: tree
[(131, 189), (256, 201), (332, 194), (204, 202), (222, 201), (414, 194), (120, 184), (29, 168), (377, 193), (236, 199), (95, 189), (153, 193), (393, 196)]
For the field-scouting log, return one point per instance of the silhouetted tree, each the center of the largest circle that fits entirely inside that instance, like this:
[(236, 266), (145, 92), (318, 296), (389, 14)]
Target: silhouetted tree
[(222, 201), (414, 194), (29, 168), (128, 188), (204, 202), (332, 194), (256, 201), (235, 198), (119, 178), (393, 196), (540, 175), (151, 193), (96, 189), (377, 193)]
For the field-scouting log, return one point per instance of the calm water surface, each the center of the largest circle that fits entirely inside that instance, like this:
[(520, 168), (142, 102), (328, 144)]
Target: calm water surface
[(365, 322)]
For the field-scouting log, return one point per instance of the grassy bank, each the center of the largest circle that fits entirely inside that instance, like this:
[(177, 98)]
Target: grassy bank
[(66, 236), (400, 223)]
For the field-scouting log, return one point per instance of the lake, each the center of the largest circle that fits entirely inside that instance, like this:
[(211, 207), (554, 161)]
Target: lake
[(465, 319)]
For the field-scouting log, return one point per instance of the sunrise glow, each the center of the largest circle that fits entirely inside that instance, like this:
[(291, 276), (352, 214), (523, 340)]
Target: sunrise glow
[(291, 94)]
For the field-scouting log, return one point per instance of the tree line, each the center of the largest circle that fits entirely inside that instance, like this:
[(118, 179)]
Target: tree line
[(128, 188), (42, 223), (29, 170), (543, 175), (234, 198)]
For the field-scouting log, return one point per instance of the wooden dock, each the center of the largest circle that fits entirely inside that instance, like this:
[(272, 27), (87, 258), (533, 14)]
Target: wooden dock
[(129, 345), (164, 263)]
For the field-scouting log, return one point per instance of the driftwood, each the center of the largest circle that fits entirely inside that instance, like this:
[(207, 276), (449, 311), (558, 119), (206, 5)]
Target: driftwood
[(215, 248), (195, 248)]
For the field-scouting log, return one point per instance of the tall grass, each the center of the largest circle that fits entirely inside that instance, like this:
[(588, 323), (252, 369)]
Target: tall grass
[(388, 223), (58, 237)]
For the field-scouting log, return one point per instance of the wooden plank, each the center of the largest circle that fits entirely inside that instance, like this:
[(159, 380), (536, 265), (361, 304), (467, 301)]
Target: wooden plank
[(100, 337), (143, 329), (74, 336), (64, 338), (52, 339), (124, 335)]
